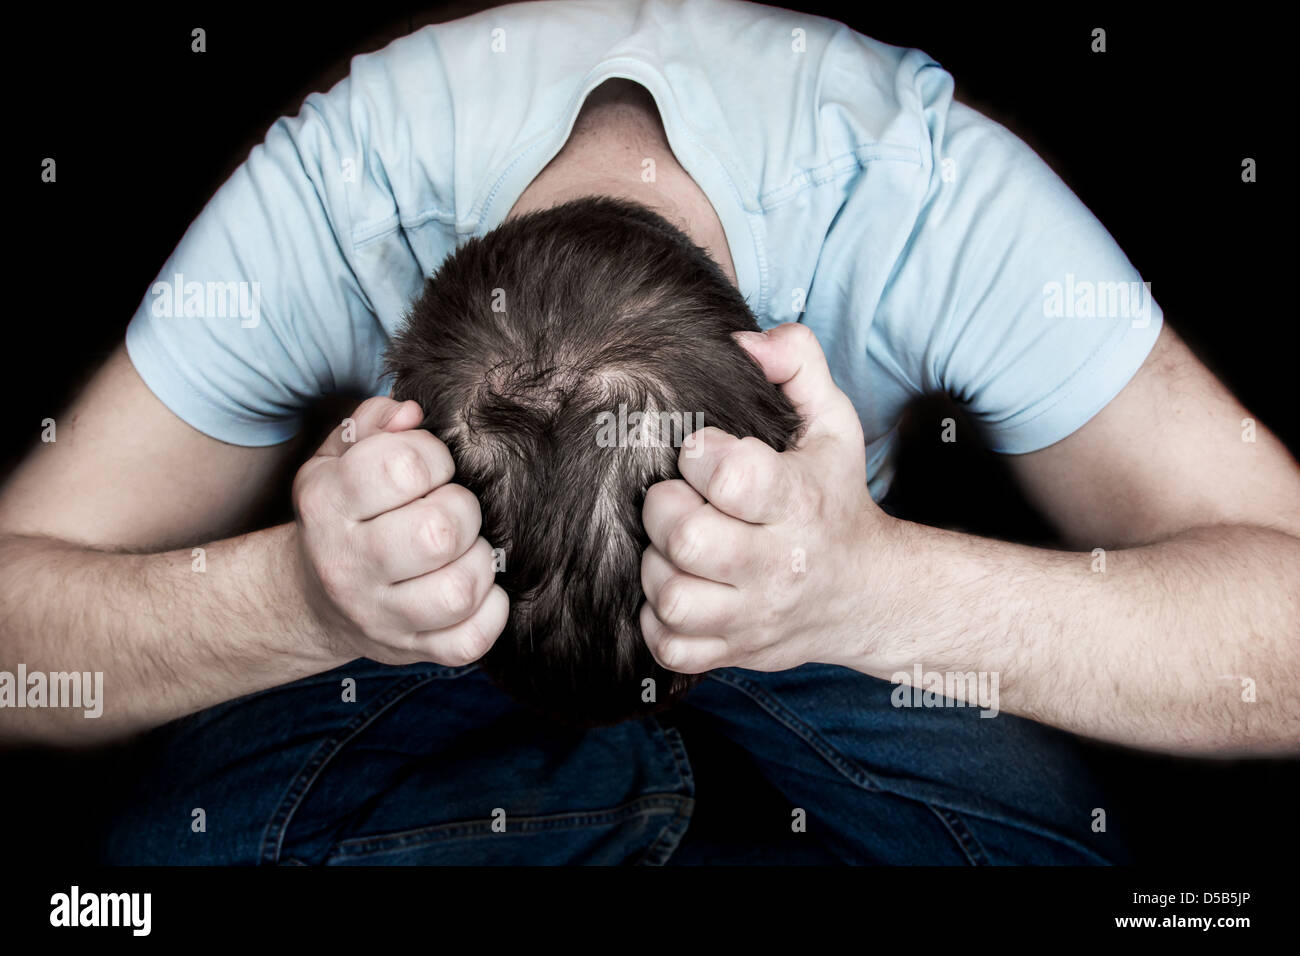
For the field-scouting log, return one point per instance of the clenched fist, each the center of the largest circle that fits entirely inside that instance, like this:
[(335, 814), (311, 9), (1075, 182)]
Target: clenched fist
[(761, 559), (393, 563)]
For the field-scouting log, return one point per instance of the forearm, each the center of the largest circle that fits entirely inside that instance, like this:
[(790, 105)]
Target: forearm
[(1149, 652), (169, 639)]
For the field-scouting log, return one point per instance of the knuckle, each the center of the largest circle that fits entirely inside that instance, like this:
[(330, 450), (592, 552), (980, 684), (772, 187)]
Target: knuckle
[(652, 495), (685, 545), (456, 592), (753, 447), (437, 534), (651, 628), (673, 606), (311, 499), (732, 482), (405, 470), (444, 466), (662, 497), (467, 647), (672, 654), (482, 563), (707, 437), (455, 656), (475, 643), (460, 499), (800, 334)]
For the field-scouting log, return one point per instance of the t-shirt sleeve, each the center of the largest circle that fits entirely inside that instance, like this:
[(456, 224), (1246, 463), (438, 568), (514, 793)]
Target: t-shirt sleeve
[(1010, 295), (258, 311)]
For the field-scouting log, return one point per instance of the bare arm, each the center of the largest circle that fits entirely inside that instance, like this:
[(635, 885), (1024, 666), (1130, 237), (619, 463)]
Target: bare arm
[(97, 571), (1201, 591), (1189, 639), (125, 474), (168, 640)]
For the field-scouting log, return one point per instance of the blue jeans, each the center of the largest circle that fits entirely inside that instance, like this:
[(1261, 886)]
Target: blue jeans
[(435, 765)]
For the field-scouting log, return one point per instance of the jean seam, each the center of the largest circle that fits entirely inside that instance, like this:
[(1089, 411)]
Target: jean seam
[(966, 840), (278, 824), (672, 737), (1047, 834), (358, 847), (670, 837)]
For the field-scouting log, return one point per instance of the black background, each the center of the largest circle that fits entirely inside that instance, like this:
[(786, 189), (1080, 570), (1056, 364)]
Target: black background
[(1150, 135)]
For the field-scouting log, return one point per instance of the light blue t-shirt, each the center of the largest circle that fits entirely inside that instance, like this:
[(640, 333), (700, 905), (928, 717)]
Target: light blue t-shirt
[(927, 247)]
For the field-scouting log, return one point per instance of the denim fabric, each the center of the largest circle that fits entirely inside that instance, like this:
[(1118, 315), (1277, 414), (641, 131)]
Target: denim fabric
[(434, 765), (888, 785)]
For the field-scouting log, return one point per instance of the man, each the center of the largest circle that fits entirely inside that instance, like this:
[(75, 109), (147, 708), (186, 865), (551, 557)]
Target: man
[(892, 241)]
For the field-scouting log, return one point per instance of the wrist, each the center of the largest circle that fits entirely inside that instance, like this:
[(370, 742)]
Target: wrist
[(886, 562), (313, 620)]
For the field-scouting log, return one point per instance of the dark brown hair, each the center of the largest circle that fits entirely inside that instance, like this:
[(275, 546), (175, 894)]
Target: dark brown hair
[(526, 347)]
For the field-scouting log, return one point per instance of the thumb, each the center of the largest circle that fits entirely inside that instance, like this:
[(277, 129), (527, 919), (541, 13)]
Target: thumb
[(791, 357), (371, 417)]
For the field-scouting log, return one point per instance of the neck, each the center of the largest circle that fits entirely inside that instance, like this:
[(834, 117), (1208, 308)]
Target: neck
[(618, 148)]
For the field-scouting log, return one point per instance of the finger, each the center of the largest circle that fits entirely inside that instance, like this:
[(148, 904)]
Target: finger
[(442, 598), (742, 477), (422, 536), (389, 470), (711, 545), (679, 653), (791, 357), (370, 418), (687, 604), (469, 640), (665, 504)]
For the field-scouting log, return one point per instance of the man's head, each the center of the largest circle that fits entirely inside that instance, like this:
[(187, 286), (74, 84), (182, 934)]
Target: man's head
[(563, 357)]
